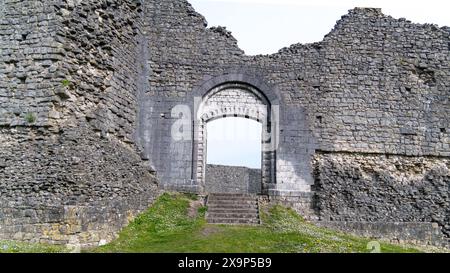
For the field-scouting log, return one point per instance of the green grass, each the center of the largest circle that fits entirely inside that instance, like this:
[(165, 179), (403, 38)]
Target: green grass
[(19, 247), (65, 83), (167, 227), (30, 117), (176, 223)]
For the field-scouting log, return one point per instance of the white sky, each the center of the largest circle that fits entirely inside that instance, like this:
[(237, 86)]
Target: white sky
[(234, 142), (266, 26)]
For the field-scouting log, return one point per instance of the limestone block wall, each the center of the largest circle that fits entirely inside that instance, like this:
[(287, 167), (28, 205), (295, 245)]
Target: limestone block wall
[(71, 186), (69, 169), (29, 56), (380, 85), (382, 188), (396, 232), (101, 45), (232, 179)]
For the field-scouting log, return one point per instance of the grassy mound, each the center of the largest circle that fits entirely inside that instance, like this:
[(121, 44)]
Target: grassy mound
[(176, 223)]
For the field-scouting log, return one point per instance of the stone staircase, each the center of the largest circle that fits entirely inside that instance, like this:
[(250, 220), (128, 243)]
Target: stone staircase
[(232, 209)]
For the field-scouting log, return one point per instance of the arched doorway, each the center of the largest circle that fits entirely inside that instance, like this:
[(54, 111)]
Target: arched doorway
[(234, 99), (233, 156)]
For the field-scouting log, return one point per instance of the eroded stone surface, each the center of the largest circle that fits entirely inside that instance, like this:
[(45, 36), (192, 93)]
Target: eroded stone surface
[(380, 188), (70, 172)]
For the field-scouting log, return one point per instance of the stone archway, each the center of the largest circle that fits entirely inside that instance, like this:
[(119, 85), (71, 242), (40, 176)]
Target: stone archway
[(235, 99)]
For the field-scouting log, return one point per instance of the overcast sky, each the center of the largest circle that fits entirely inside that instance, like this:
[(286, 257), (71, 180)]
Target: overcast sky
[(266, 26)]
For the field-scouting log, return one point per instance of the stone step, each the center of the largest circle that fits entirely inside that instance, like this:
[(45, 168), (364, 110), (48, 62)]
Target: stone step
[(233, 221), (232, 210), (229, 203), (215, 215), (233, 206), (232, 202), (230, 195), (220, 198)]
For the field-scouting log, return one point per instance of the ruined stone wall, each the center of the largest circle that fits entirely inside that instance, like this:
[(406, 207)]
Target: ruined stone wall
[(184, 56), (232, 179), (395, 232), (181, 48), (29, 62), (69, 169), (382, 188), (374, 86), (87, 91), (67, 188), (102, 52)]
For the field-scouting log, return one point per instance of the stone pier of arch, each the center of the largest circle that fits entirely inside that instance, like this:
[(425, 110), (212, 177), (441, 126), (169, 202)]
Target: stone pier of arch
[(283, 172)]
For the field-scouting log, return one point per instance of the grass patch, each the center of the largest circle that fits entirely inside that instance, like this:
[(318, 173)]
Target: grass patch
[(65, 83), (161, 228), (166, 227), (30, 117), (170, 226), (20, 247)]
